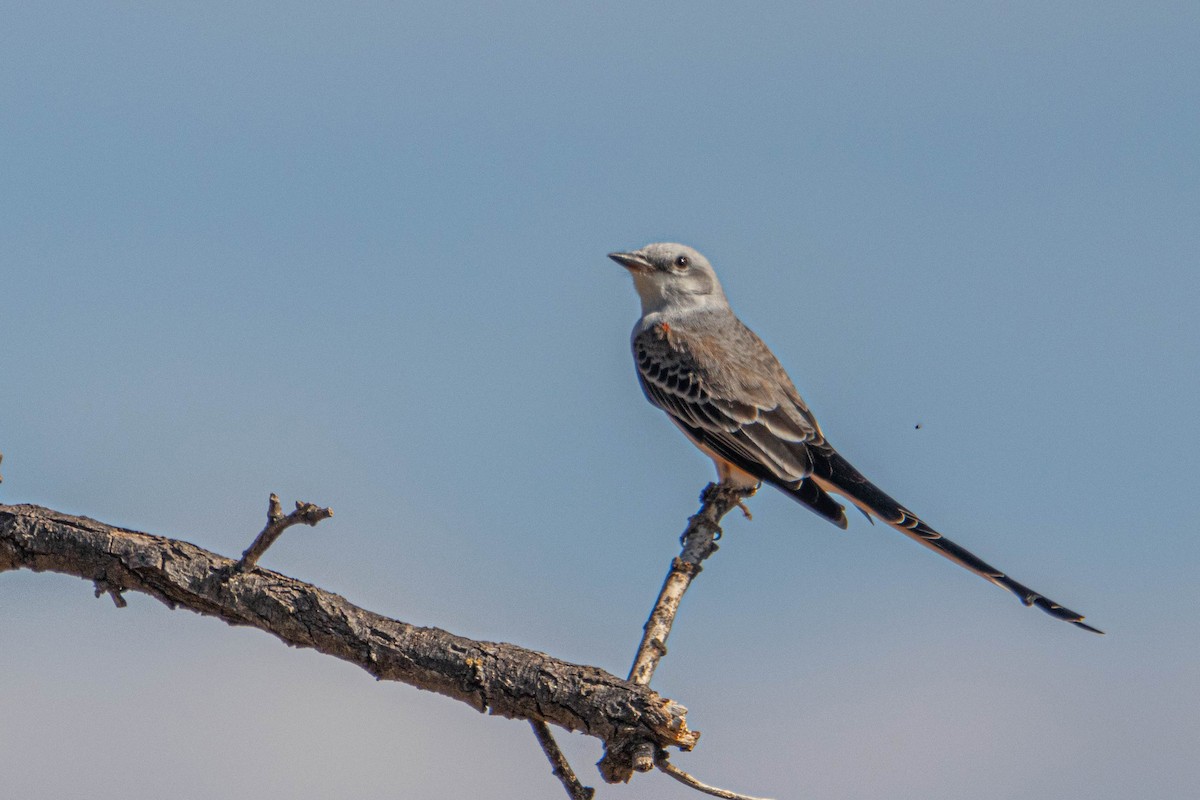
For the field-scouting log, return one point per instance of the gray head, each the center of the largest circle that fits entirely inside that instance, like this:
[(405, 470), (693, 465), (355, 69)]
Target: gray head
[(673, 277)]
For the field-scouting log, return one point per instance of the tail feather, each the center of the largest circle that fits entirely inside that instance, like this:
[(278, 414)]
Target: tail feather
[(812, 495), (835, 474)]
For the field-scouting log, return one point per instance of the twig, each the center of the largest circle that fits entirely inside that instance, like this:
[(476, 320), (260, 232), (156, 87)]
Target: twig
[(562, 770), (699, 542), (277, 523), (661, 761), (103, 586)]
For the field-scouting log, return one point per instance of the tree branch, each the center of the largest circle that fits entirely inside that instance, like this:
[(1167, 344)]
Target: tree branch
[(699, 542), (561, 768), (277, 523), (661, 761), (500, 678)]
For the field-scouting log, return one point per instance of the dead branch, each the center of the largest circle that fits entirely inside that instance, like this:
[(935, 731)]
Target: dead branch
[(496, 677), (699, 542), (277, 523), (561, 768), (661, 761)]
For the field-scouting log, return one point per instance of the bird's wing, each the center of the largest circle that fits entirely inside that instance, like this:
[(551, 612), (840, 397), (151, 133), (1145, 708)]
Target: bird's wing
[(760, 430)]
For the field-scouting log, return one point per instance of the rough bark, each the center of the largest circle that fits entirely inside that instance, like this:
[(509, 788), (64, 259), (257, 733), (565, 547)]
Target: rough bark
[(497, 677)]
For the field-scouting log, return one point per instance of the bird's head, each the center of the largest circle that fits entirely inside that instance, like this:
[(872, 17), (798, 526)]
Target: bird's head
[(671, 277)]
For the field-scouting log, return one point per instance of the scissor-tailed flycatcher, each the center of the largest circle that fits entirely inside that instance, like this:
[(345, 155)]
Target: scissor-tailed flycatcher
[(728, 393)]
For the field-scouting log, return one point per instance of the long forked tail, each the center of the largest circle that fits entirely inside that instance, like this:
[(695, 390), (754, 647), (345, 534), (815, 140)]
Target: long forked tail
[(835, 474)]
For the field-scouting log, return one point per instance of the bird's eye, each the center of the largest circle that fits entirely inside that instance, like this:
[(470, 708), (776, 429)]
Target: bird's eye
[(682, 262)]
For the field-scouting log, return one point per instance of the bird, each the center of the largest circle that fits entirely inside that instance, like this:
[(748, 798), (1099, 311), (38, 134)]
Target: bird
[(724, 388)]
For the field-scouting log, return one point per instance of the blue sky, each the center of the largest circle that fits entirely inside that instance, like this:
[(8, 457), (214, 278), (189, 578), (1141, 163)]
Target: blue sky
[(355, 254)]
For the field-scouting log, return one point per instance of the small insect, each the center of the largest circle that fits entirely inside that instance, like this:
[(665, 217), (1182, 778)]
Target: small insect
[(917, 427)]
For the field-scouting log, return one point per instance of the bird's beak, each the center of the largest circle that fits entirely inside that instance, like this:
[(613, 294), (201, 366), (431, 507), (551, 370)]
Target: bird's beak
[(632, 262)]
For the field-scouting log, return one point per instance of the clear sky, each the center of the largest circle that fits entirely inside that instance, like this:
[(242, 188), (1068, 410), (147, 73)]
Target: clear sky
[(354, 253)]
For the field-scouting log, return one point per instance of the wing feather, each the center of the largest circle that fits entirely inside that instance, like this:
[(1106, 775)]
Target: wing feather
[(764, 433)]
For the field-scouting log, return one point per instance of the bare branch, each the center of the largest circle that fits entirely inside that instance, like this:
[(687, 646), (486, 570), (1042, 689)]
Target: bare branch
[(277, 523), (634, 723), (675, 772), (104, 587), (500, 678), (562, 770), (699, 542)]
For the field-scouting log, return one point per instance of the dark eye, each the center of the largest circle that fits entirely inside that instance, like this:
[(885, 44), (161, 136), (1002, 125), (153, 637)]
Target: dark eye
[(682, 262)]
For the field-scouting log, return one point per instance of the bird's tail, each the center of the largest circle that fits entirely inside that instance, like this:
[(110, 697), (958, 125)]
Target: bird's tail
[(817, 499), (835, 474)]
